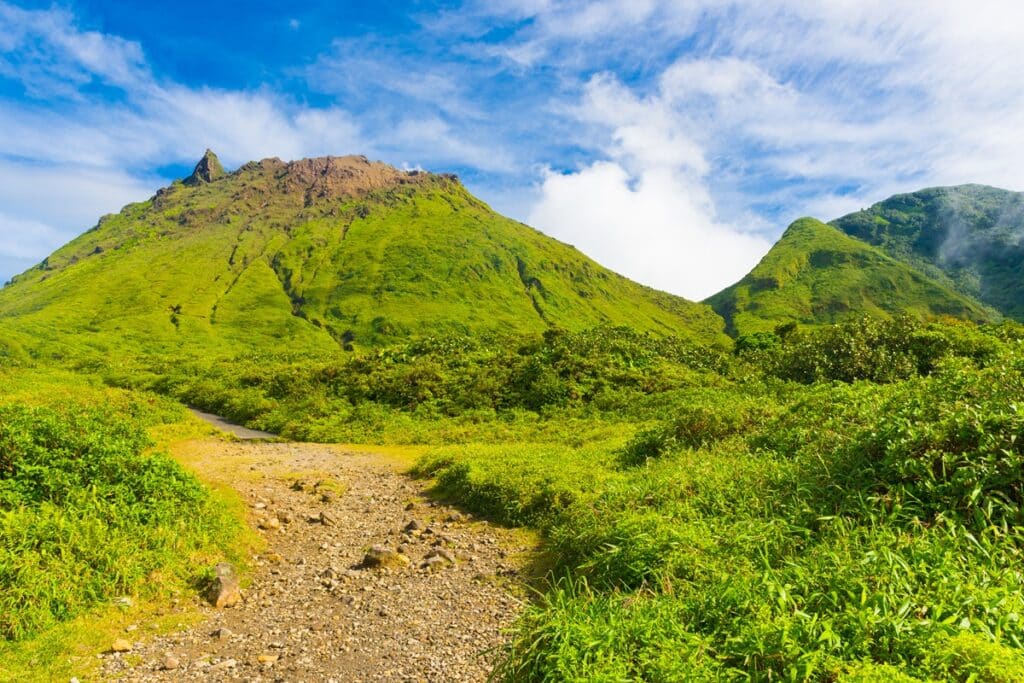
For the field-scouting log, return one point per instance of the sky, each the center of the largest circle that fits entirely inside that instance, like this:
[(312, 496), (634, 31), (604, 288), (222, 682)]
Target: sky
[(672, 141)]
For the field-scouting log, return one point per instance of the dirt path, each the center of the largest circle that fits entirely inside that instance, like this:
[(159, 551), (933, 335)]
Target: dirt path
[(314, 611), (239, 431)]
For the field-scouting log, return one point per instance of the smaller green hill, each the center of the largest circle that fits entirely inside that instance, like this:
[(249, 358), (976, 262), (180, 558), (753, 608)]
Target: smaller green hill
[(968, 237), (815, 275)]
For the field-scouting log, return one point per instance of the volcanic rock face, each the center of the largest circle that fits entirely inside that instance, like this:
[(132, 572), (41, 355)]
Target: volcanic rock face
[(326, 178)]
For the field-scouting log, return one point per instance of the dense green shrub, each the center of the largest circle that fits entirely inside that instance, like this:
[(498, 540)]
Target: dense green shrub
[(839, 531), (86, 515), (709, 418), (870, 349)]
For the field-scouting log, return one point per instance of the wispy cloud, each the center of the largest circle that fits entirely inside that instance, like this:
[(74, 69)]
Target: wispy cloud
[(670, 140)]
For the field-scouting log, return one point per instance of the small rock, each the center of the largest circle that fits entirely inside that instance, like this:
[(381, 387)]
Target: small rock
[(223, 632), (441, 554), (269, 523), (326, 497), (382, 556), (259, 506), (268, 659), (410, 506), (454, 517), (326, 519), (434, 563), (226, 664), (224, 589), (171, 663), (121, 645), (414, 525), (284, 516)]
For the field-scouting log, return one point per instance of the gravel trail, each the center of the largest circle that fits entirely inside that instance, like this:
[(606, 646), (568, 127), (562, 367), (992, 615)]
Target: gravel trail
[(315, 610)]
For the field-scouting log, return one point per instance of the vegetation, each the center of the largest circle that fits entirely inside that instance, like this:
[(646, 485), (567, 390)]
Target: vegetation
[(968, 237), (861, 530), (817, 275), (832, 495), (88, 512)]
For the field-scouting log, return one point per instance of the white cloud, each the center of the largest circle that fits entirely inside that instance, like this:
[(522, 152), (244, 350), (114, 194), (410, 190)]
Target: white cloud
[(658, 228), (46, 206), (646, 212), (24, 240), (50, 56)]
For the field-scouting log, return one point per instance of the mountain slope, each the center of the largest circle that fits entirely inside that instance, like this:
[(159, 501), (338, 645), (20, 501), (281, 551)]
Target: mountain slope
[(968, 237), (315, 255), (815, 274)]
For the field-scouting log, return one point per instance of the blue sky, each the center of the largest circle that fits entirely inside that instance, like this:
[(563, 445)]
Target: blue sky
[(670, 140)]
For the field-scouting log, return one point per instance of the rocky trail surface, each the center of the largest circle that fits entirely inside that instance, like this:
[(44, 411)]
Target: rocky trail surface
[(362, 578)]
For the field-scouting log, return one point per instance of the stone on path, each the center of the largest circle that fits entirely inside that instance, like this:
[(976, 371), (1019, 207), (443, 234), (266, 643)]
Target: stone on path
[(383, 556), (224, 590)]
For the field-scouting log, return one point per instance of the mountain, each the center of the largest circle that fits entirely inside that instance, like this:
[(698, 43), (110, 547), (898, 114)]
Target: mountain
[(816, 274), (317, 255), (968, 237)]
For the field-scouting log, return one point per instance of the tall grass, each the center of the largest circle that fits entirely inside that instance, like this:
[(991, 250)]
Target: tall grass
[(860, 532), (88, 513)]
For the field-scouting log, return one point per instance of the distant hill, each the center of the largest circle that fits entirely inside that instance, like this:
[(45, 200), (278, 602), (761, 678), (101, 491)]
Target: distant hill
[(816, 274), (968, 237), (318, 255)]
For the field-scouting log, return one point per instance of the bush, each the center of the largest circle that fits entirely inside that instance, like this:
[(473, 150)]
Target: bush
[(86, 515)]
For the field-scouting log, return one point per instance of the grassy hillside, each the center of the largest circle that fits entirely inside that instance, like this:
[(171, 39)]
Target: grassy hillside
[(315, 256), (968, 237), (88, 510), (815, 274), (766, 531)]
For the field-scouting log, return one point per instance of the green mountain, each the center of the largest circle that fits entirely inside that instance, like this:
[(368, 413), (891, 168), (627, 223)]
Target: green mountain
[(968, 237), (317, 255), (816, 274)]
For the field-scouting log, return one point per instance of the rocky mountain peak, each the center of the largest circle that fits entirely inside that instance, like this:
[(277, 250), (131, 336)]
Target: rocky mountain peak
[(207, 170)]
